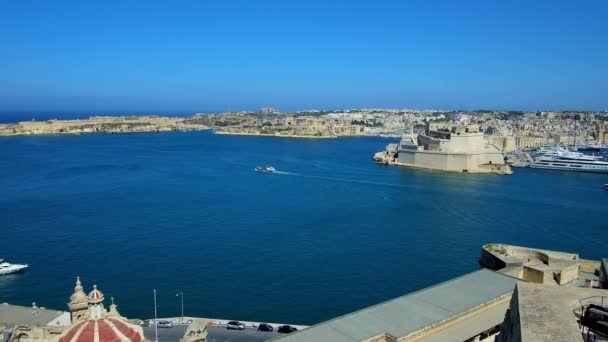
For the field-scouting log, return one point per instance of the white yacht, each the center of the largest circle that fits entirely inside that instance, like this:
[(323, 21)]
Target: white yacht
[(7, 268), (570, 161), (564, 153)]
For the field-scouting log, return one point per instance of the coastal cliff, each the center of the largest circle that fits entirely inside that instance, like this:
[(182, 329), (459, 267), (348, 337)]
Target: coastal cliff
[(101, 124)]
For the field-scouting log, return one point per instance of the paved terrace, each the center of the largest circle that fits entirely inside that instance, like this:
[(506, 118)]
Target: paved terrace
[(547, 313)]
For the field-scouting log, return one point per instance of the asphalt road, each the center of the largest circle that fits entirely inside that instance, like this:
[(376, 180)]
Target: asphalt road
[(216, 334), (221, 334), (172, 334)]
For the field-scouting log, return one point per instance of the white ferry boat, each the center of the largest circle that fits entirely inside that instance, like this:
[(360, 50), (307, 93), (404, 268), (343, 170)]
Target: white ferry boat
[(268, 169), (7, 268), (571, 162)]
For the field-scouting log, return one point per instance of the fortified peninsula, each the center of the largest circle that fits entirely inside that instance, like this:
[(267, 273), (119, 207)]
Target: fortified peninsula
[(446, 148)]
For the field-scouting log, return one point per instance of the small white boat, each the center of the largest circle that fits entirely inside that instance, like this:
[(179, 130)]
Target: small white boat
[(8, 268), (269, 169)]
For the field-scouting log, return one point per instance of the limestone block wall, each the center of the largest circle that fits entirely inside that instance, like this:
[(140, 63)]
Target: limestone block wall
[(436, 161), (466, 142), (537, 276), (490, 261), (567, 275)]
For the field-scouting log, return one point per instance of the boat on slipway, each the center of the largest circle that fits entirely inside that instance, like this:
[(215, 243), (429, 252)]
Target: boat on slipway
[(8, 268)]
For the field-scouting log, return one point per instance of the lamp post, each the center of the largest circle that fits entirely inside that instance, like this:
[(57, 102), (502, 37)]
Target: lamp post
[(181, 294), (155, 319)]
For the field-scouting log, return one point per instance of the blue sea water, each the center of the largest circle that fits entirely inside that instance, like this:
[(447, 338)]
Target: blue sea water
[(331, 233), (7, 117)]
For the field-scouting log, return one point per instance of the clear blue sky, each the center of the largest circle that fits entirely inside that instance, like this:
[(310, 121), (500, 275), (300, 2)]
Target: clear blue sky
[(242, 55)]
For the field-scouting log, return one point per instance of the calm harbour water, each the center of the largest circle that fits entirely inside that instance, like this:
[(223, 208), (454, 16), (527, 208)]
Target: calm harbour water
[(332, 233)]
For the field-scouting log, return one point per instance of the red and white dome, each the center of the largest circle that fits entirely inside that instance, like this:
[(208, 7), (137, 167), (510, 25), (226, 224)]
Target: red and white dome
[(95, 296), (109, 329)]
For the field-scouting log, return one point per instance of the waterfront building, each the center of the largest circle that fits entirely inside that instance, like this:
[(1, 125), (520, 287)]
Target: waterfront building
[(531, 141), (447, 148), (468, 308), (87, 321), (269, 110), (20, 323)]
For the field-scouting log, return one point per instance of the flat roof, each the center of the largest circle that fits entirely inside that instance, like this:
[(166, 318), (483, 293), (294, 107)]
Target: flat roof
[(12, 315), (547, 311), (413, 312)]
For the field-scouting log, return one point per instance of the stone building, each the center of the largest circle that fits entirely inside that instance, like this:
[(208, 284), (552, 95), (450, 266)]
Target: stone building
[(457, 149), (94, 323), (87, 321), (31, 323)]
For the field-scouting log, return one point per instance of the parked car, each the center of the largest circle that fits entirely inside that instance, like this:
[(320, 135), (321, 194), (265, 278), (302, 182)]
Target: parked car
[(286, 329), (235, 325), (164, 324), (265, 327)]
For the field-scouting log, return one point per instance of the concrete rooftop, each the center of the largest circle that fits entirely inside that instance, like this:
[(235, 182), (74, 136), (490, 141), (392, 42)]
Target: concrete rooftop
[(418, 311)]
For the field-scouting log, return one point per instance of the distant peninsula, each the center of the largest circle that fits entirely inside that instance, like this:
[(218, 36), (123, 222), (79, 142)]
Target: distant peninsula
[(101, 124)]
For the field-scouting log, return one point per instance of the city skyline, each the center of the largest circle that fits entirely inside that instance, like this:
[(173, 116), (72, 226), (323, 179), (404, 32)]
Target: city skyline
[(127, 57)]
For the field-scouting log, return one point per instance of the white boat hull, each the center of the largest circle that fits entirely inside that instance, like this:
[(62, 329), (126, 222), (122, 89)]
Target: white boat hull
[(582, 168), (6, 268)]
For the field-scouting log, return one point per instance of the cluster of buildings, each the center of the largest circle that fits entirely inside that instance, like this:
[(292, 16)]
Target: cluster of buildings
[(508, 131), (88, 320)]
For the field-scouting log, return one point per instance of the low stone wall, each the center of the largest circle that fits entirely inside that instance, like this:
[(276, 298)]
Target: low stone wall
[(567, 274), (537, 276), (488, 260)]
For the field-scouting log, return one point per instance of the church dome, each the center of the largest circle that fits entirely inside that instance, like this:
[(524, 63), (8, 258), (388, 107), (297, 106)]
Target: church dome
[(107, 329), (95, 296)]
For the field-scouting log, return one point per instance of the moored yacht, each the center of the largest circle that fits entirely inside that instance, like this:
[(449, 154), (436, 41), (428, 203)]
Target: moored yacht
[(570, 161), (7, 268)]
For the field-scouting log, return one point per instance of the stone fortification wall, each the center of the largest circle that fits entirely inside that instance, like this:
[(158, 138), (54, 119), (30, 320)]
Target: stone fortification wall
[(511, 327), (440, 161), (567, 274), (538, 276), (466, 143), (489, 260), (535, 265), (432, 144)]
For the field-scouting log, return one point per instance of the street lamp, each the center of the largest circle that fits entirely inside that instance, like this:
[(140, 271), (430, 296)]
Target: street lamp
[(155, 318), (182, 295)]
